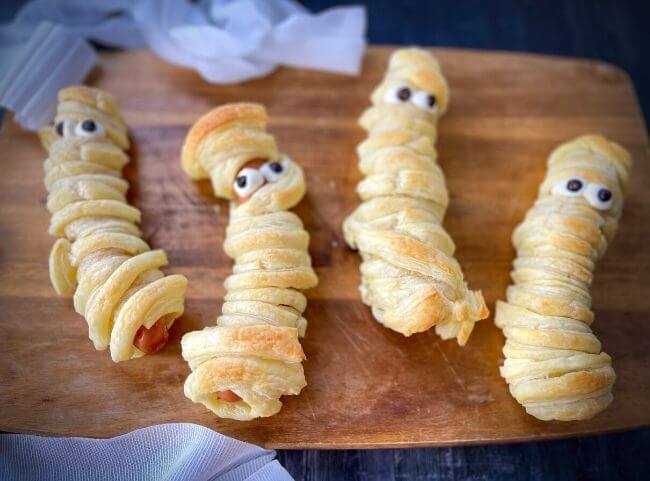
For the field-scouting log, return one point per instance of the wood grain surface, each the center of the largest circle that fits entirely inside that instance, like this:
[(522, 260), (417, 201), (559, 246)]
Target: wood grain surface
[(368, 386)]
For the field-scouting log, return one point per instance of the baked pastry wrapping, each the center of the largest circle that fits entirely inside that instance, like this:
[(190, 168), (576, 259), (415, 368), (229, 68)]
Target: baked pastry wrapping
[(100, 256), (243, 365), (409, 277), (553, 362)]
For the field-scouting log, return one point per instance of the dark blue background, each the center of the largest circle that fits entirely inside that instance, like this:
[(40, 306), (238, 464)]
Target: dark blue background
[(608, 30), (613, 31)]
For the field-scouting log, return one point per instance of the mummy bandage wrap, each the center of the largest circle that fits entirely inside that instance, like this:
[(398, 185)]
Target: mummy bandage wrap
[(243, 365), (554, 364), (100, 256), (409, 276)]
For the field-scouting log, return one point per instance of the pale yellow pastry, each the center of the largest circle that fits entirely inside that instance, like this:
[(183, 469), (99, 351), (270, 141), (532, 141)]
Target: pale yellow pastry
[(409, 276), (554, 365), (243, 365), (100, 256)]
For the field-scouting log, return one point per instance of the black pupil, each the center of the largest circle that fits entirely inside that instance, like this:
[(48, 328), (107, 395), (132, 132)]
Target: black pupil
[(574, 185), (431, 100), (276, 167), (59, 129), (604, 195), (88, 125), (404, 94), (241, 181)]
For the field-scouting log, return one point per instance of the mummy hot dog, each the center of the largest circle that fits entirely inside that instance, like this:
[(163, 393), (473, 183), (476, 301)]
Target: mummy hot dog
[(252, 357), (128, 303), (554, 365), (409, 276)]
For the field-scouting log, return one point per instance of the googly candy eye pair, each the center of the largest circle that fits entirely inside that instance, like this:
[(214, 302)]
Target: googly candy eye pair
[(249, 179), (85, 128), (599, 196), (404, 93)]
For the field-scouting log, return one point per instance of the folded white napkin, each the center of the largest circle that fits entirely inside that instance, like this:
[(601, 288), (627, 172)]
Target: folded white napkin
[(224, 40), (167, 451)]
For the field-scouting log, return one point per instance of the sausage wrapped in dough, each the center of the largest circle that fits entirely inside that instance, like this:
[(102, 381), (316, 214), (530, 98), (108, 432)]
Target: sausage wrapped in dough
[(128, 303), (243, 365), (554, 365), (409, 276)]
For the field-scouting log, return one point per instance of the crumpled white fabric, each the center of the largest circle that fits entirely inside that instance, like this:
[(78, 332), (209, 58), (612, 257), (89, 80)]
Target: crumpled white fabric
[(173, 452), (226, 41)]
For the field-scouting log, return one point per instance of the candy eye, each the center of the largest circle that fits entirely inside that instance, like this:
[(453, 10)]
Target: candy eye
[(599, 196), (274, 170), (65, 128), (397, 94), (247, 182), (570, 187), (425, 101), (89, 128)]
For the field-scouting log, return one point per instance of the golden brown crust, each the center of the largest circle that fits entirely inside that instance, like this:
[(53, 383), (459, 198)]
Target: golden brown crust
[(258, 382), (214, 121), (254, 351), (615, 154), (554, 364), (409, 276), (100, 255), (269, 342), (96, 98)]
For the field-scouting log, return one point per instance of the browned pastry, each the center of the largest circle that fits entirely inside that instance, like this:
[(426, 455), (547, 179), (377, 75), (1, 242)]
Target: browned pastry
[(554, 364), (243, 365), (128, 303), (409, 276)]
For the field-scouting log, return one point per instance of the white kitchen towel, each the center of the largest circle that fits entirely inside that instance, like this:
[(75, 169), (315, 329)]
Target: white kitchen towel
[(170, 452), (33, 73), (226, 41)]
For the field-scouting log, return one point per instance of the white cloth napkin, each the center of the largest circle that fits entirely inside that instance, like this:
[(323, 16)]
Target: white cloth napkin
[(226, 41), (168, 452)]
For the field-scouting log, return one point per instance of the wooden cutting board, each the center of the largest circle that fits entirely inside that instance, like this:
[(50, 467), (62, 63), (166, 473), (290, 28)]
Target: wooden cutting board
[(368, 386)]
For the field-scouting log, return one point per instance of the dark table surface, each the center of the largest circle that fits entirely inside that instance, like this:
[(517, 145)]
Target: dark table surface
[(610, 30)]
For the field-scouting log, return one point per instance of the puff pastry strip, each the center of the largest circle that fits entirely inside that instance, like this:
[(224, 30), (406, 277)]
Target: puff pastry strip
[(100, 255), (554, 364), (243, 365), (409, 276)]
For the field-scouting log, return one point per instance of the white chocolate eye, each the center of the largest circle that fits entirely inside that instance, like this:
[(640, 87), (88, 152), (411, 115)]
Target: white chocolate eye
[(89, 128), (274, 170), (248, 181), (397, 94), (599, 196), (65, 128), (571, 187), (425, 101)]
